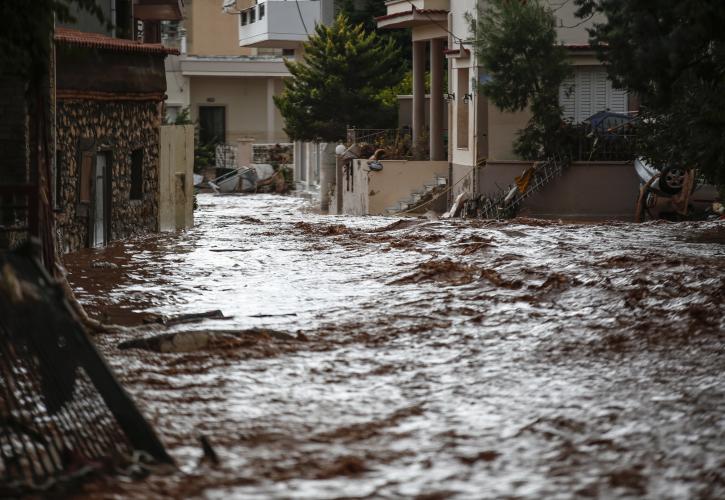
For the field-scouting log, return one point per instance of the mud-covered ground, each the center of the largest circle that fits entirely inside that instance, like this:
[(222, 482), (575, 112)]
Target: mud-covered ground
[(423, 359)]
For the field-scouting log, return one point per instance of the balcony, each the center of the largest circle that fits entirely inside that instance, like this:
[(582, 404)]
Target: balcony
[(407, 14), (158, 10), (278, 23)]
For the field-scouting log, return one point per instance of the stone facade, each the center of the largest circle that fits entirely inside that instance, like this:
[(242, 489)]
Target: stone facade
[(118, 128)]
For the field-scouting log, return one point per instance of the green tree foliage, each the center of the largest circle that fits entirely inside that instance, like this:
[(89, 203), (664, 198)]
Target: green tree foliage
[(25, 38), (516, 44), (338, 83), (365, 12), (671, 53)]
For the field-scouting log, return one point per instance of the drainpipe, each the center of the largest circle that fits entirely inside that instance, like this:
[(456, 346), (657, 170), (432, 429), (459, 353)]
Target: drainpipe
[(113, 18)]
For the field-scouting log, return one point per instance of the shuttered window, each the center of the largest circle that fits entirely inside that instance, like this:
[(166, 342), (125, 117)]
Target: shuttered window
[(589, 91)]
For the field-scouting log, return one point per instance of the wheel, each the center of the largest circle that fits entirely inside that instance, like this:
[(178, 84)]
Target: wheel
[(672, 179)]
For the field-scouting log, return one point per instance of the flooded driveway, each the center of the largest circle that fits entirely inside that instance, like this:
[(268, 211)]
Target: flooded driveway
[(408, 358)]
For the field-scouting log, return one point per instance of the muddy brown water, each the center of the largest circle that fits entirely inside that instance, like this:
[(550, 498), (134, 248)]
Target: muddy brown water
[(430, 359)]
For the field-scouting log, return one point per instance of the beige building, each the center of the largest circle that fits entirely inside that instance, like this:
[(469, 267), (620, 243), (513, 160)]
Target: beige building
[(479, 132), (228, 89)]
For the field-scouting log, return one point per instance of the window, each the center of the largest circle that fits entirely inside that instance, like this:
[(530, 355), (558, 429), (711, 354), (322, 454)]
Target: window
[(212, 125), (252, 13), (136, 175), (462, 109), (589, 91), (288, 53), (261, 12), (243, 18), (86, 177)]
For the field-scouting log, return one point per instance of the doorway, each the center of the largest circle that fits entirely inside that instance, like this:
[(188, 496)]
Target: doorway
[(100, 208)]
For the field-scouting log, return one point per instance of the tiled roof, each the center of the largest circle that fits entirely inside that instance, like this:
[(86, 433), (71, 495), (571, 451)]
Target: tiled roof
[(77, 38), (411, 11)]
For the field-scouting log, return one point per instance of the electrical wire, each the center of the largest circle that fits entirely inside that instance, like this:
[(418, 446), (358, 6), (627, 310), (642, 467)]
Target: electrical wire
[(299, 11)]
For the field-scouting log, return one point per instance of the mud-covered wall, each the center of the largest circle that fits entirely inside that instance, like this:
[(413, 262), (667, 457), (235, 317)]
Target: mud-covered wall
[(118, 128)]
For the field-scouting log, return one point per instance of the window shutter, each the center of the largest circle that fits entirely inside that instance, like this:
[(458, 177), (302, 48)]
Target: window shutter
[(593, 92), (601, 88), (583, 95), (567, 98), (617, 99)]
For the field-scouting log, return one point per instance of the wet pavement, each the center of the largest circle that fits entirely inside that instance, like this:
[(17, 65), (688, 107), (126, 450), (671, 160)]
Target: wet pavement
[(414, 358)]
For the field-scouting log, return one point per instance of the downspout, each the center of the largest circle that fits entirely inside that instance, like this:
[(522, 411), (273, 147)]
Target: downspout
[(113, 18), (449, 70)]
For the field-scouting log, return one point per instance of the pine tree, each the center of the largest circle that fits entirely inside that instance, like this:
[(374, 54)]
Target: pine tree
[(338, 82)]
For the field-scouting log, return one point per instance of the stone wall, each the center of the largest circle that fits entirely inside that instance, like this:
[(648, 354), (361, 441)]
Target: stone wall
[(119, 127)]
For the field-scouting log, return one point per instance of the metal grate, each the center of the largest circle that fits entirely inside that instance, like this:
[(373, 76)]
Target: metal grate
[(62, 414), (506, 203)]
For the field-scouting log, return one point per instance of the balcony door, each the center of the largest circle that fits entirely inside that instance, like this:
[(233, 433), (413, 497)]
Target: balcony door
[(212, 124)]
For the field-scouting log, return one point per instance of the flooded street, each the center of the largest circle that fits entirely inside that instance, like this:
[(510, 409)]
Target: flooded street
[(409, 358)]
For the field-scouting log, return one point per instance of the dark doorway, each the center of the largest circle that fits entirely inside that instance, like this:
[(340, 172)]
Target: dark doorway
[(100, 201), (212, 124)]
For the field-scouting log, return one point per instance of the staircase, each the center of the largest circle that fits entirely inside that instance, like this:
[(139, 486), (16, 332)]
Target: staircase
[(506, 203), (420, 197)]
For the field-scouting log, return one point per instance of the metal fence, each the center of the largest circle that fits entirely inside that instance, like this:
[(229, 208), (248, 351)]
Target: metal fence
[(63, 415), (397, 143)]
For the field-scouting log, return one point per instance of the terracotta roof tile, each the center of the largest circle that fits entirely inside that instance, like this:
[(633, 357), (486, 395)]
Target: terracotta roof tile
[(97, 41)]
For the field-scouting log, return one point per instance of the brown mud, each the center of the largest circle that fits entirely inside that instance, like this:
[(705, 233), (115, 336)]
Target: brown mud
[(421, 359)]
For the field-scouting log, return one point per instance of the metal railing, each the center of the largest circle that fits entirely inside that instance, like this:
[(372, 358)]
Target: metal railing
[(397, 143), (506, 203)]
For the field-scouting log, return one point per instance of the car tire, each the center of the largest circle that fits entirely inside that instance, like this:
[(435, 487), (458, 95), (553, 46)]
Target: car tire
[(672, 180)]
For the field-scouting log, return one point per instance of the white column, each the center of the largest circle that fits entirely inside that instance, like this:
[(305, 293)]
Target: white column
[(418, 91), (270, 111), (436, 99)]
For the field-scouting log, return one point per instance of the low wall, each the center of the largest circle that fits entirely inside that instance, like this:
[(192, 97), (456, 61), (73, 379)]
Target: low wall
[(369, 193), (586, 191), (176, 177), (462, 180)]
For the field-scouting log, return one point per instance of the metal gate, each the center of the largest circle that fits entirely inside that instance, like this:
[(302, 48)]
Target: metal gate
[(62, 413)]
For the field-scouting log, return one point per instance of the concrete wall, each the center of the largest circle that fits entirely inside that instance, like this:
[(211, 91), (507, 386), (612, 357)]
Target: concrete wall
[(370, 193), (176, 177), (586, 191), (246, 102), (210, 31)]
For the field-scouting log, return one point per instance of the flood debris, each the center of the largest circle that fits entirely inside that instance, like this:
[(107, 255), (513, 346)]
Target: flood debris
[(187, 318), (197, 340)]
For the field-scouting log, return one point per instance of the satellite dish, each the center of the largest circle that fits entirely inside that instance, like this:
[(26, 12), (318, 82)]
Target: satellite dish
[(340, 149)]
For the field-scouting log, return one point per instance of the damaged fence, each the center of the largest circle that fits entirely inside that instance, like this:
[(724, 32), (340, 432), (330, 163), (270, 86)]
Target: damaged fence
[(63, 415), (506, 203)]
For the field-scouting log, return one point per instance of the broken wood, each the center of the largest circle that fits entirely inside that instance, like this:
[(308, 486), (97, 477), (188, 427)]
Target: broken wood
[(204, 339), (189, 318)]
